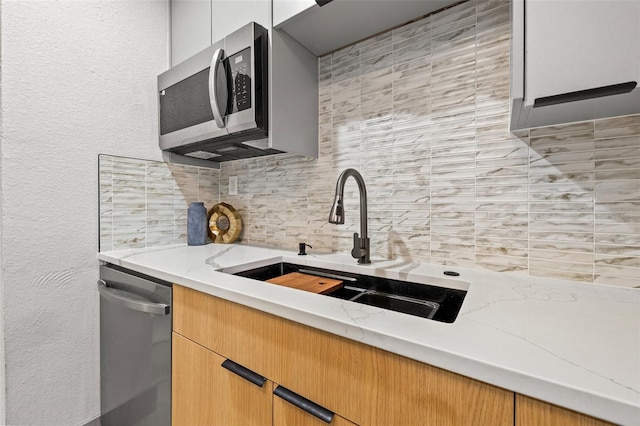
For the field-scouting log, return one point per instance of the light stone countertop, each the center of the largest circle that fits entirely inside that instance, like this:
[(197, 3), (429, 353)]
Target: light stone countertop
[(573, 344)]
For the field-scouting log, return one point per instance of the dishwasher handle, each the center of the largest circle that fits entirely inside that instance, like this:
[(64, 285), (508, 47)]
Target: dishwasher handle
[(136, 305)]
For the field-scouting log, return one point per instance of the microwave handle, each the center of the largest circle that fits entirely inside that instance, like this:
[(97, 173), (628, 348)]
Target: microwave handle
[(218, 92)]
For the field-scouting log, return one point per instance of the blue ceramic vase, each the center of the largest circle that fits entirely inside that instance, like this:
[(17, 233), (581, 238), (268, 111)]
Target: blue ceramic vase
[(196, 224)]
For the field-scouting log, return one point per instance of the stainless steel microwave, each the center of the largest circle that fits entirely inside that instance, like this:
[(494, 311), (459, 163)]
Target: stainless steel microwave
[(214, 105)]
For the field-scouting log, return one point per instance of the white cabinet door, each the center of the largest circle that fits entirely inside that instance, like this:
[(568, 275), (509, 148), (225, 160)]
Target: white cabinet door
[(580, 45), (284, 10), (229, 15), (190, 28)]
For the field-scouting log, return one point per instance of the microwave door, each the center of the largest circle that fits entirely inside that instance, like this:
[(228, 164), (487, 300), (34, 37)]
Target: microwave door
[(185, 111)]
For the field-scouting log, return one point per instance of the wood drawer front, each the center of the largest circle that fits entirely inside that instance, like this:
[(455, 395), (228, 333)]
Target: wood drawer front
[(373, 387), (247, 336), (285, 414), (532, 412), (205, 393)]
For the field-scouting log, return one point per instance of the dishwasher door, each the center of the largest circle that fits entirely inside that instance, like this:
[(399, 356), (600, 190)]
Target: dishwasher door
[(135, 349)]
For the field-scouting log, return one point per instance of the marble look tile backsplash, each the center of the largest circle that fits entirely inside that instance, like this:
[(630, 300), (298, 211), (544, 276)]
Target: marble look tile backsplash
[(422, 112), (144, 203)]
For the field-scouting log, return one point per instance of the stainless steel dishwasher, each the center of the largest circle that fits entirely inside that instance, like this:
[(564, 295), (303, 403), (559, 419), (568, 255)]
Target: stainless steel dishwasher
[(135, 348)]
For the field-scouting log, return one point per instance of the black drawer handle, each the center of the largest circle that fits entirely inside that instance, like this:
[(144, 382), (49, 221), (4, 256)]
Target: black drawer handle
[(244, 372), (581, 95), (304, 404), (322, 2)]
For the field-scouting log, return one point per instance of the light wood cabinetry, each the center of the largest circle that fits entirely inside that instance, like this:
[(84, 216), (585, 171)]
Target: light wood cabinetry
[(532, 412), (239, 333), (205, 393), (380, 388), (285, 414), (358, 382)]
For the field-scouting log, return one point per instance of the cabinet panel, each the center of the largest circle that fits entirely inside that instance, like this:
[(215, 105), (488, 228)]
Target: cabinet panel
[(374, 387), (573, 61), (532, 412), (573, 46), (361, 383), (229, 15), (246, 336), (204, 393), (285, 414), (190, 28), (284, 10), (342, 22)]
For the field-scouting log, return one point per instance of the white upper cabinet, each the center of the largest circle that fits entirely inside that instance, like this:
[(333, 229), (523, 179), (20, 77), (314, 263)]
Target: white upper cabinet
[(579, 45), (574, 60), (322, 29), (283, 10), (195, 24), (190, 28), (229, 15)]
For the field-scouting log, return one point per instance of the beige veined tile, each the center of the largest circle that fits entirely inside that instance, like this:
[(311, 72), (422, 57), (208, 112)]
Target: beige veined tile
[(558, 177), (561, 274), (621, 212), (456, 13), (619, 153), (615, 132), (617, 281), (618, 271), (617, 191), (561, 246), (562, 236), (623, 121), (499, 263), (618, 164), (627, 231), (564, 256), (621, 142), (563, 128)]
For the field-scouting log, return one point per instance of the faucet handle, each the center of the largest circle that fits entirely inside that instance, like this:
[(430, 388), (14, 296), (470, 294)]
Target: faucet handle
[(356, 252)]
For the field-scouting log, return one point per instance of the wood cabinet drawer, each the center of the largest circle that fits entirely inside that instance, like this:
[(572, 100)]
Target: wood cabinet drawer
[(532, 412), (285, 414), (205, 393), (374, 387), (242, 334)]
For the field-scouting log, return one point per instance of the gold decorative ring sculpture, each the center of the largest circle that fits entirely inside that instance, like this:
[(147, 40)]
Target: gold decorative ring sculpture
[(225, 223)]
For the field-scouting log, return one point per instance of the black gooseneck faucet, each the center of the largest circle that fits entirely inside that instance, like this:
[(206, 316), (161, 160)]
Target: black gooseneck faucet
[(361, 245)]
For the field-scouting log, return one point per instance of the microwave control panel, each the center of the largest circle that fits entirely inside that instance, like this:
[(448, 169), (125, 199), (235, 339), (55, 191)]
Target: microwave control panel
[(240, 70)]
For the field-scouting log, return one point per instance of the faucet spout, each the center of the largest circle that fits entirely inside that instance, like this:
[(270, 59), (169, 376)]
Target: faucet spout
[(361, 245)]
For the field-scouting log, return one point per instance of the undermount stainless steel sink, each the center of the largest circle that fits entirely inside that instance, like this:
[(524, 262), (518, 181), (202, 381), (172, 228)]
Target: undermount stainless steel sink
[(394, 302), (427, 300)]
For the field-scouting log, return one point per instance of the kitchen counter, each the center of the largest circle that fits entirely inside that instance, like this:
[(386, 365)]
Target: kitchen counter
[(576, 345)]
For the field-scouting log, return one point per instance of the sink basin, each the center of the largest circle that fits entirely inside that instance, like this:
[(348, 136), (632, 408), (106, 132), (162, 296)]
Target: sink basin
[(393, 302), (424, 300)]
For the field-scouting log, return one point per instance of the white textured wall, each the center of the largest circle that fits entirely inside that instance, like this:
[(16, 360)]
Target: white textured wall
[(2, 372), (78, 79)]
